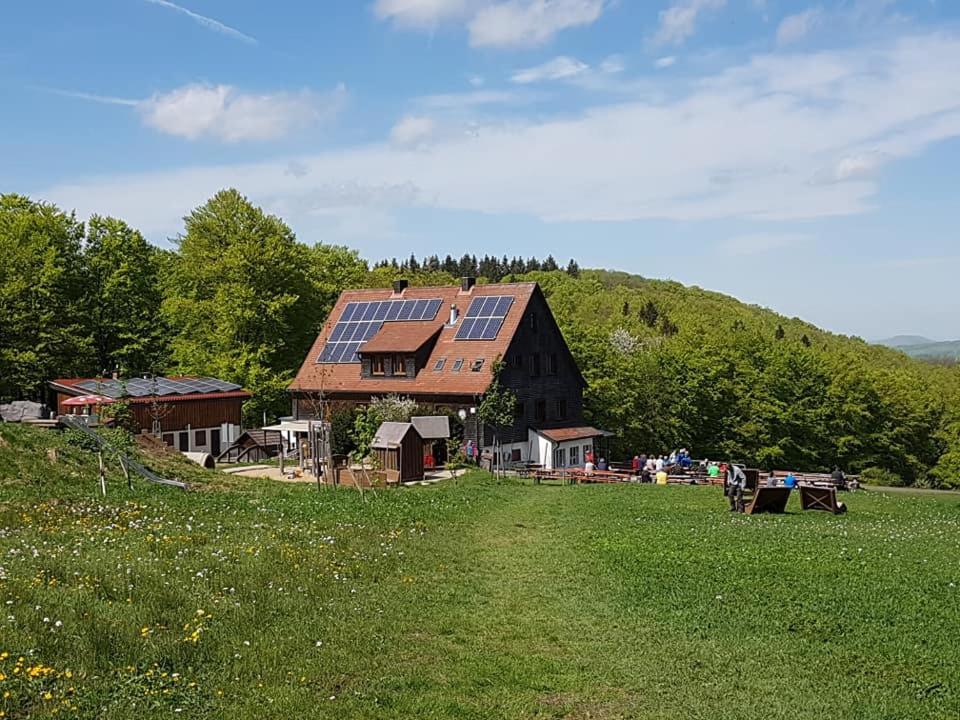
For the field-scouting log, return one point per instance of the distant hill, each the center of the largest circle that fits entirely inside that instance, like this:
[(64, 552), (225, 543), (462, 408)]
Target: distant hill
[(903, 341), (923, 348), (949, 350)]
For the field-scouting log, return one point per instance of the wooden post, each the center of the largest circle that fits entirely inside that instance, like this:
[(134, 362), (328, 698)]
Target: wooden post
[(103, 475), (126, 473), (283, 451)]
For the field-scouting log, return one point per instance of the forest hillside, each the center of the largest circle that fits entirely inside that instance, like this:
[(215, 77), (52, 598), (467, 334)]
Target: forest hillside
[(240, 297)]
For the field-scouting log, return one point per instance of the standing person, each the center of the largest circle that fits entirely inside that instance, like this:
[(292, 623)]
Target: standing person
[(643, 460), (659, 464), (736, 484), (635, 465)]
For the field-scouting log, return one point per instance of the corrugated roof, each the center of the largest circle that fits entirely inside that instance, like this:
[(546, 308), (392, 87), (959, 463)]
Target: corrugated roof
[(345, 377), (432, 427), (401, 337), (70, 386), (390, 434), (572, 433)]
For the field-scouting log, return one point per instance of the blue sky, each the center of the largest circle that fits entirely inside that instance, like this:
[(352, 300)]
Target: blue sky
[(796, 154)]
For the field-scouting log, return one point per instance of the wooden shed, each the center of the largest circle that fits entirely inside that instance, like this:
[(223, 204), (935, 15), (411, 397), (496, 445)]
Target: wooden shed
[(253, 446), (399, 451)]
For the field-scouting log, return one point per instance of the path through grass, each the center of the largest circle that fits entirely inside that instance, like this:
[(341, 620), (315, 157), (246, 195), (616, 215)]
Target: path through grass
[(476, 600)]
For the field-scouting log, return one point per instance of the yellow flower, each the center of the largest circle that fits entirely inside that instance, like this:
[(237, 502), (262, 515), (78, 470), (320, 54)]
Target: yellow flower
[(48, 696)]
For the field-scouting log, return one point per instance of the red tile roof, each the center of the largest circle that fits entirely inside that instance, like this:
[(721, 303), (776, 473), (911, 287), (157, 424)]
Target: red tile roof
[(345, 377), (573, 433), (401, 337)]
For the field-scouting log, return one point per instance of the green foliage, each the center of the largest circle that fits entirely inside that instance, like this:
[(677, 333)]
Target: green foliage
[(498, 408), (242, 299), (42, 333), (879, 476), (122, 295), (391, 408)]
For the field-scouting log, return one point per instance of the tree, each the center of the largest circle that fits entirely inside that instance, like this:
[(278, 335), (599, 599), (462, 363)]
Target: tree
[(242, 300), (122, 298), (780, 333), (573, 269), (498, 408), (649, 314), (391, 408), (42, 330)]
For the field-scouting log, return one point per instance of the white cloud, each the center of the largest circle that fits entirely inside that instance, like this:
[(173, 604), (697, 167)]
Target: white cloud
[(679, 21), (796, 27), (206, 22), (665, 62), (613, 64), (224, 113), (757, 243), (467, 100), (494, 23), (412, 131), (527, 23), (747, 142), (476, 80), (421, 13), (559, 68)]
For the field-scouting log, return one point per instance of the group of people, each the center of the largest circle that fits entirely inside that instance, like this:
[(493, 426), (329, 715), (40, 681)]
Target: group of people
[(655, 468)]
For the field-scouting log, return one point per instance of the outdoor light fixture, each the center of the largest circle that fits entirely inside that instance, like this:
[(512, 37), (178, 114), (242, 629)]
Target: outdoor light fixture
[(462, 414)]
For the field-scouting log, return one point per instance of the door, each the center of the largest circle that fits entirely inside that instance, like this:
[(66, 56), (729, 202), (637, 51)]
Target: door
[(215, 442), (183, 441)]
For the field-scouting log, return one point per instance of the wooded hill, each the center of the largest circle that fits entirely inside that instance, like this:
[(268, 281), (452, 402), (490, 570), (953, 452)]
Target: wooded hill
[(241, 298)]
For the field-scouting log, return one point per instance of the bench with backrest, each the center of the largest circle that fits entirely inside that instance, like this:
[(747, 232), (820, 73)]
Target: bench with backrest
[(813, 497), (769, 500)]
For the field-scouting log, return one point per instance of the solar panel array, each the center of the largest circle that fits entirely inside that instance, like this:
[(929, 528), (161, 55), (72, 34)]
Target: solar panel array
[(360, 321), (162, 386), (485, 318)]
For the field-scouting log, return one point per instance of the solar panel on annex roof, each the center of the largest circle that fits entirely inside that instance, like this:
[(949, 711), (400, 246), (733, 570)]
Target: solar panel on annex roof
[(485, 318), (360, 321)]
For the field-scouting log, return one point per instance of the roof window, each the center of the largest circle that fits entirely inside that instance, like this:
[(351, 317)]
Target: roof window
[(477, 364), (457, 364)]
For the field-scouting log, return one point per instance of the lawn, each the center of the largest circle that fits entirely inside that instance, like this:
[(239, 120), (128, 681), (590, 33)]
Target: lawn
[(470, 600)]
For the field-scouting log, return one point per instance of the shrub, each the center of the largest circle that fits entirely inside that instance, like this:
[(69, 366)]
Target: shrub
[(880, 476)]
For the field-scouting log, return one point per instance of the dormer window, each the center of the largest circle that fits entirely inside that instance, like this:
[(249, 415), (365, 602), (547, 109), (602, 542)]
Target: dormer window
[(377, 365)]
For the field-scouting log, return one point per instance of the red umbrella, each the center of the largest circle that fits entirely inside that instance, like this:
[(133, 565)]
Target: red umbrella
[(88, 400)]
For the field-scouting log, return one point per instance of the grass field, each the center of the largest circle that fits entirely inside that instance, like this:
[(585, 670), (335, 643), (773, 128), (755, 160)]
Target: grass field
[(468, 600)]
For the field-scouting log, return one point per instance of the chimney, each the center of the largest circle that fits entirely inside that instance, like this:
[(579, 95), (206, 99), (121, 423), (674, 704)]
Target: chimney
[(467, 283), (399, 286), (454, 314)]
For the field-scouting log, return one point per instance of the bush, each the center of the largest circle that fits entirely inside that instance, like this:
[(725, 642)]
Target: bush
[(880, 476)]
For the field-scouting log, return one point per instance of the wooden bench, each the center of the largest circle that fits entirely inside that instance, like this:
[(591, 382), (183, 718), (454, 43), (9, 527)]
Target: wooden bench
[(820, 498), (769, 499)]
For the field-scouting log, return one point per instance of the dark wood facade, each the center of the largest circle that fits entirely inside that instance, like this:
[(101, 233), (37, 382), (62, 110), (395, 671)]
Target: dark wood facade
[(541, 372), (178, 415), (405, 462)]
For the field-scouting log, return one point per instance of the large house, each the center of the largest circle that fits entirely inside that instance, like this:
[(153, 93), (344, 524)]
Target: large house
[(438, 346), (192, 414)]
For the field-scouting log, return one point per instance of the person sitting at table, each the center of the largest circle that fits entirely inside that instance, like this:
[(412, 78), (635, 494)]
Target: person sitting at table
[(790, 481), (662, 477), (839, 479), (602, 465), (589, 467), (771, 479)]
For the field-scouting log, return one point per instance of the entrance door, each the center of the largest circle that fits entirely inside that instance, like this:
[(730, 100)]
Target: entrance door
[(560, 458), (183, 441), (215, 442)]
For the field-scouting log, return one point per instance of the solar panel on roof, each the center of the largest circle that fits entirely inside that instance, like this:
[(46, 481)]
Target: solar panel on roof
[(484, 318), (360, 321)]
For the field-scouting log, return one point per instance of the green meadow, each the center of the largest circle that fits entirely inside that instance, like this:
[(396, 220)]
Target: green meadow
[(471, 599)]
